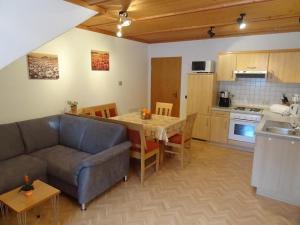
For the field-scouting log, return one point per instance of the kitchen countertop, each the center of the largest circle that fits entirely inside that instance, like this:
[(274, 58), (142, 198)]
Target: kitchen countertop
[(267, 115)]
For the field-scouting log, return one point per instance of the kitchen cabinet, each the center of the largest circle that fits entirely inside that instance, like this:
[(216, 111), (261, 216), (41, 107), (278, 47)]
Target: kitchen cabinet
[(219, 127), (284, 67), (276, 168), (252, 61), (201, 128), (225, 67), (201, 96)]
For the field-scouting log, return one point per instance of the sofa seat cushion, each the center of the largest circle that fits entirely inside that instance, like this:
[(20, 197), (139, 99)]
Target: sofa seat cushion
[(62, 162), (11, 143), (14, 169)]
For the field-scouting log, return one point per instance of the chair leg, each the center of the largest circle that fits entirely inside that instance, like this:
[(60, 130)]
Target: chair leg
[(142, 170), (157, 161), (182, 155), (126, 178), (188, 144)]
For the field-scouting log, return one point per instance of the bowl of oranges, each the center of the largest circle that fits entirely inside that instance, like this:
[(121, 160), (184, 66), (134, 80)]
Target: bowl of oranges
[(146, 114)]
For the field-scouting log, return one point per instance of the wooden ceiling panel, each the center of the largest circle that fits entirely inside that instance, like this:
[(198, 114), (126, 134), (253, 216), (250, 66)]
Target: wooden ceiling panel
[(285, 25), (173, 20)]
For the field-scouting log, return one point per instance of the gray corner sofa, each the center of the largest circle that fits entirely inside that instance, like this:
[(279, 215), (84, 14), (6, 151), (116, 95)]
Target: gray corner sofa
[(82, 157)]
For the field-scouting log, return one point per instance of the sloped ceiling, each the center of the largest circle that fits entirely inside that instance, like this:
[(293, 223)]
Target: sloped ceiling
[(26, 25)]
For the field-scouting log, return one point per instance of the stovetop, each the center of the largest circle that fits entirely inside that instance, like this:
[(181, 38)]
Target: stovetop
[(248, 109)]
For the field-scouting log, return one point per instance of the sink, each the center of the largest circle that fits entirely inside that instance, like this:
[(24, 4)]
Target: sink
[(280, 130)]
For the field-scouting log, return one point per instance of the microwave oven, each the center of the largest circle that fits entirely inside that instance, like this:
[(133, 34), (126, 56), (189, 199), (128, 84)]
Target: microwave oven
[(207, 66)]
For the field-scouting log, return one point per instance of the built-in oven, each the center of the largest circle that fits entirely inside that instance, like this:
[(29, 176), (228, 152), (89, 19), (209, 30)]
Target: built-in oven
[(242, 127)]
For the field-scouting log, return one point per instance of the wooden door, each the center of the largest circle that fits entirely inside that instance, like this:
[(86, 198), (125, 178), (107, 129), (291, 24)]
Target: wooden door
[(284, 67), (165, 82), (201, 93), (252, 61), (225, 67)]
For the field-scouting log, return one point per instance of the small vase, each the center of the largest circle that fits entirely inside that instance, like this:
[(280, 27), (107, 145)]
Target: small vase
[(28, 193), (74, 109)]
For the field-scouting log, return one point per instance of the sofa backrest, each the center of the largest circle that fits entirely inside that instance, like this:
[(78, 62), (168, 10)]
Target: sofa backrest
[(40, 133), (88, 135), (11, 143)]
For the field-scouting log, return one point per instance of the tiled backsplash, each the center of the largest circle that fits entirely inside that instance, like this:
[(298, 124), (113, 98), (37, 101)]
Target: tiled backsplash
[(248, 91)]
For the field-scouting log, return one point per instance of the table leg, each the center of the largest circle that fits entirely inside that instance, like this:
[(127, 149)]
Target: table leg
[(161, 151), (21, 218), (4, 212), (55, 207)]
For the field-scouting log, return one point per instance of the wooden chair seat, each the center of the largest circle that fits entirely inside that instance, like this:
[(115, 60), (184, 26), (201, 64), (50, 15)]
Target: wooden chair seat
[(176, 139)]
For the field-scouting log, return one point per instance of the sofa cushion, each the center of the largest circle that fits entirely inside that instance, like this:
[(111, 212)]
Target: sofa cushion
[(11, 143), (62, 162), (72, 129), (40, 133), (13, 170), (101, 135)]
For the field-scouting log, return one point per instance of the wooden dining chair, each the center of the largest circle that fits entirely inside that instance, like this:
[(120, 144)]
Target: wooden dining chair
[(142, 148), (182, 139), (163, 108)]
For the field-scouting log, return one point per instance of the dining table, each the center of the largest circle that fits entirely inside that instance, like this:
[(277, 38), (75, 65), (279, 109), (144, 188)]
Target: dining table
[(159, 127)]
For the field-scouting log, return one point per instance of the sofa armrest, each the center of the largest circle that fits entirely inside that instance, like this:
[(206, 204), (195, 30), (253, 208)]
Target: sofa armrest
[(105, 155), (100, 171)]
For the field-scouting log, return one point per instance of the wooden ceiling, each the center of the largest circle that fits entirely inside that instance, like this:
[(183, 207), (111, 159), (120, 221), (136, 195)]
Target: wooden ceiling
[(155, 21)]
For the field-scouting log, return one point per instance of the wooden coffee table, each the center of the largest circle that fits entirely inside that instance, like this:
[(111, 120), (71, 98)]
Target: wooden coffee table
[(20, 203)]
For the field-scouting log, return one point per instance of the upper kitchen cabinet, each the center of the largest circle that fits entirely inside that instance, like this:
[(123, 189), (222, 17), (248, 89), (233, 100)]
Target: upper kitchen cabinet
[(225, 67), (255, 61), (284, 67)]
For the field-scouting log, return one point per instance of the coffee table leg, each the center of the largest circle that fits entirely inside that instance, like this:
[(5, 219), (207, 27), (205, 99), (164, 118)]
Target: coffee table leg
[(21, 218), (55, 207)]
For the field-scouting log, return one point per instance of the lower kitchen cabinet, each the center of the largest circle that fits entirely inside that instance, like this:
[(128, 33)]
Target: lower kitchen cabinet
[(276, 168), (202, 127), (219, 127)]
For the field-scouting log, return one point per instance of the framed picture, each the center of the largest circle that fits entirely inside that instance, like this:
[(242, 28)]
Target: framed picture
[(43, 66), (100, 60)]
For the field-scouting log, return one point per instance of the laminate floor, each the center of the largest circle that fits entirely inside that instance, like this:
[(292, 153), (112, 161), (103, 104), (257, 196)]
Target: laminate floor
[(213, 189)]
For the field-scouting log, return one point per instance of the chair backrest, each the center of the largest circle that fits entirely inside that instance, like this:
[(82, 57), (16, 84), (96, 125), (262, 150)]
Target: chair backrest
[(136, 135), (163, 108), (189, 125), (103, 111)]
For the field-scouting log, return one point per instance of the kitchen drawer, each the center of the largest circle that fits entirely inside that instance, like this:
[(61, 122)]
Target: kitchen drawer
[(217, 113)]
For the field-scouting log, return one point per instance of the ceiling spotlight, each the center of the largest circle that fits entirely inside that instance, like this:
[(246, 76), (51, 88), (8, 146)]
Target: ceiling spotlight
[(211, 33), (124, 21), (241, 21), (119, 33), (119, 26)]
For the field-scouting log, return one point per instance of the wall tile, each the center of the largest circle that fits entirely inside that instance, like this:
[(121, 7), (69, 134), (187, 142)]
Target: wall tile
[(258, 91)]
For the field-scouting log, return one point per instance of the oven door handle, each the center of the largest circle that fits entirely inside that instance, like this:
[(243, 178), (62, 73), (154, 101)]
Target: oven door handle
[(248, 121)]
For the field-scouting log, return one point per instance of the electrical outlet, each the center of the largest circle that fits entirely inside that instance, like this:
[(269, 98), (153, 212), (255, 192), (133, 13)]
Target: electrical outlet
[(120, 83)]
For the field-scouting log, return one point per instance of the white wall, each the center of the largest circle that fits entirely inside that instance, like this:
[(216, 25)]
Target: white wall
[(21, 98), (26, 25), (209, 49)]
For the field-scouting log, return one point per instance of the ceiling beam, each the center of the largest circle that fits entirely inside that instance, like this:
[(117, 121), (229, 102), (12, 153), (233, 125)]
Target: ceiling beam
[(202, 9)]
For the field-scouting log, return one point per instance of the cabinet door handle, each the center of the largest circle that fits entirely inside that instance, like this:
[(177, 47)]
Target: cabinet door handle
[(269, 139), (251, 67), (292, 142)]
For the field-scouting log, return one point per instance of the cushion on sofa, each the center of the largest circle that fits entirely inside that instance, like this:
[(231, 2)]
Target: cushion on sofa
[(14, 169), (40, 133), (102, 135), (11, 143), (72, 129), (62, 162)]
